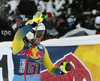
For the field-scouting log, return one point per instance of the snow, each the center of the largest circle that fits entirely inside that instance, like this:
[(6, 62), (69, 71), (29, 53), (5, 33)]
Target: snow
[(60, 4), (94, 11), (10, 18), (13, 5), (70, 1), (45, 5), (48, 7)]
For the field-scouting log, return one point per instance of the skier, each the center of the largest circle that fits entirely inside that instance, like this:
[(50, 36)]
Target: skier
[(26, 37)]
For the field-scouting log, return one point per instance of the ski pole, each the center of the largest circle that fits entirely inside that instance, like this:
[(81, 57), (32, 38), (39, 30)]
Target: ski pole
[(30, 52)]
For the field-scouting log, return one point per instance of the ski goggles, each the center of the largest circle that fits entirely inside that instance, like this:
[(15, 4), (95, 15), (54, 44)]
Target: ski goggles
[(40, 33)]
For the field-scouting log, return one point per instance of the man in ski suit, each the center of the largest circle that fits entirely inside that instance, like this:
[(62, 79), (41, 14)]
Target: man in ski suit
[(26, 37)]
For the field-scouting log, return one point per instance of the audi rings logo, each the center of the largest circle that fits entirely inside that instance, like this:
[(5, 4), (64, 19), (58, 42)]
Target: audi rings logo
[(5, 32)]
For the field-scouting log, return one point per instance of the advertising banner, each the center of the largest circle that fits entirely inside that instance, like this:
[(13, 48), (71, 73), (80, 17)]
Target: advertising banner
[(81, 52)]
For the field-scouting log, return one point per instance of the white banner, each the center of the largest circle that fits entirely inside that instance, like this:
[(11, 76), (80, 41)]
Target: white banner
[(6, 64)]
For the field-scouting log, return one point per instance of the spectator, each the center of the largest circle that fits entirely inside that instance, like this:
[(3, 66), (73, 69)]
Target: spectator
[(6, 32), (48, 21), (97, 24), (91, 26), (78, 23), (18, 24), (70, 21), (62, 25), (50, 25), (54, 21), (87, 22)]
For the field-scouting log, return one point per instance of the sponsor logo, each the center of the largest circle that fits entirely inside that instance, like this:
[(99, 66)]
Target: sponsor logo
[(5, 32), (78, 72), (35, 55)]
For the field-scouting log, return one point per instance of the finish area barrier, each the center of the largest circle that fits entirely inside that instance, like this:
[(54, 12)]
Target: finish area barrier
[(83, 53)]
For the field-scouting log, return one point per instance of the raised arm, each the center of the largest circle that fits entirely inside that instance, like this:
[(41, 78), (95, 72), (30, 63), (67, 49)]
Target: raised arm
[(49, 65), (18, 43), (64, 67)]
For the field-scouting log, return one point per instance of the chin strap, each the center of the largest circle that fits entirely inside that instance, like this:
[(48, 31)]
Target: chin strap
[(30, 51)]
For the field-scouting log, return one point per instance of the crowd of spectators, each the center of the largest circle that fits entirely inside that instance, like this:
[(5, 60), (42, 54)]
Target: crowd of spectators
[(6, 32), (61, 25), (55, 26)]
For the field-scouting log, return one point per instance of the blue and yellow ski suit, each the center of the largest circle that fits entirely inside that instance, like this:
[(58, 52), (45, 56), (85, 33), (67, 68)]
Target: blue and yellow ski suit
[(38, 56)]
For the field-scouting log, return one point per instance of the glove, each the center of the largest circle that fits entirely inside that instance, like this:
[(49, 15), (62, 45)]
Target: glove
[(65, 67), (32, 23), (39, 11), (36, 17)]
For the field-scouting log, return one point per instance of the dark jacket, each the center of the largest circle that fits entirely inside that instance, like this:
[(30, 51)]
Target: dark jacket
[(6, 32), (63, 28)]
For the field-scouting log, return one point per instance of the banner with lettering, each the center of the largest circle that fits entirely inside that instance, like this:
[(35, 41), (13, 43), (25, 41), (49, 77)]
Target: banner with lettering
[(81, 52)]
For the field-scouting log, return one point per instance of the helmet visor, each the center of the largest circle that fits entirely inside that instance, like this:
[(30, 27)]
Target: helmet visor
[(40, 33)]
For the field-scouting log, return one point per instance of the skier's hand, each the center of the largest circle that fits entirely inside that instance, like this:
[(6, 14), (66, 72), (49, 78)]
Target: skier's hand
[(37, 17), (32, 23), (65, 67), (39, 11), (34, 20)]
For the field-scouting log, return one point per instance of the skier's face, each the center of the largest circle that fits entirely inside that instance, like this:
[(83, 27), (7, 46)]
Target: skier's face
[(18, 22), (38, 40), (39, 36)]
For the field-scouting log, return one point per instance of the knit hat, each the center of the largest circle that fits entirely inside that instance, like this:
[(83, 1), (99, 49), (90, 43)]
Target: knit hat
[(79, 18), (62, 16), (70, 20), (49, 14), (97, 20), (19, 19)]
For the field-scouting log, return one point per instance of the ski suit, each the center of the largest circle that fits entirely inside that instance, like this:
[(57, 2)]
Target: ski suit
[(37, 56)]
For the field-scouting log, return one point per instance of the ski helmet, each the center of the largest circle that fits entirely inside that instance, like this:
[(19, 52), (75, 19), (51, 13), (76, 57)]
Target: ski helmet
[(97, 22), (40, 31)]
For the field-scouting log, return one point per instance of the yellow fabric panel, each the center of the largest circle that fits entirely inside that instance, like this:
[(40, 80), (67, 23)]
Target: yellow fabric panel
[(35, 19), (94, 69), (47, 62), (90, 56), (34, 51), (17, 45), (98, 76)]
